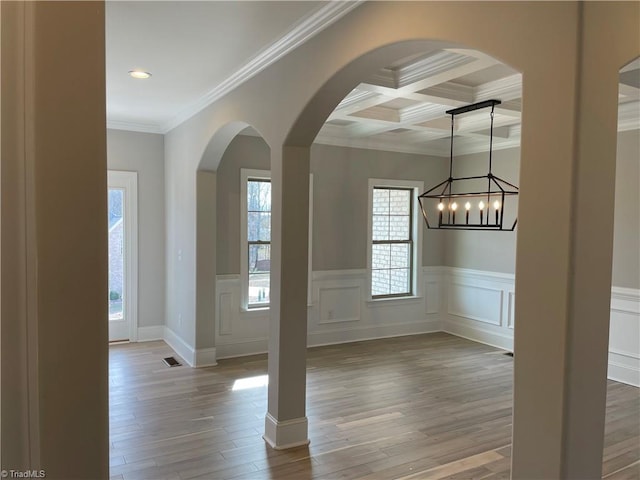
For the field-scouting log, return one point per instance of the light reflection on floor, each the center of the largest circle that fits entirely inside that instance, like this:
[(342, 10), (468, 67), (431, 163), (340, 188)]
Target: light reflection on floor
[(251, 382)]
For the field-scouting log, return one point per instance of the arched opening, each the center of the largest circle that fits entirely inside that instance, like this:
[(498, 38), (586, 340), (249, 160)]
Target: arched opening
[(388, 133), (223, 241)]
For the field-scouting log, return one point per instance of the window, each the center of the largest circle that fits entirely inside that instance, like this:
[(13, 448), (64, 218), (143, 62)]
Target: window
[(256, 237), (255, 233), (394, 239)]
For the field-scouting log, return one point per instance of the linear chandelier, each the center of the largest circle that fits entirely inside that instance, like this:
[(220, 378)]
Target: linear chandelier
[(479, 201)]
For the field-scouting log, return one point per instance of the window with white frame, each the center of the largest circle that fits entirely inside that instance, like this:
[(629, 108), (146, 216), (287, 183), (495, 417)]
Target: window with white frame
[(255, 233), (394, 239)]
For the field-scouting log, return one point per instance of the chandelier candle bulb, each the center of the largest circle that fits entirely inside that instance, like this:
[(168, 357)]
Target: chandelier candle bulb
[(441, 208), (467, 207), (481, 207), (496, 205), (454, 207)]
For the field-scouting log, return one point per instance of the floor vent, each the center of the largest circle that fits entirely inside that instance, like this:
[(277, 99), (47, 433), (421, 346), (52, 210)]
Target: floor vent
[(171, 362), (509, 354)]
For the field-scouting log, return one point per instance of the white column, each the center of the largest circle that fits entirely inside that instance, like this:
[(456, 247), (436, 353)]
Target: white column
[(286, 423), (565, 243)]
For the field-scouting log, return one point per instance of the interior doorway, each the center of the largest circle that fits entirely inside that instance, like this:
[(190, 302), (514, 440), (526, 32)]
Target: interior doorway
[(123, 276)]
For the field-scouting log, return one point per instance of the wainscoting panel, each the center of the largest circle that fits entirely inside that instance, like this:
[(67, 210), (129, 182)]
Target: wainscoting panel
[(480, 303), (624, 336), (339, 304), (473, 304), (225, 316)]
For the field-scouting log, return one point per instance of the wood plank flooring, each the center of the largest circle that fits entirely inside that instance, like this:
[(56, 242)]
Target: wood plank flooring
[(420, 407)]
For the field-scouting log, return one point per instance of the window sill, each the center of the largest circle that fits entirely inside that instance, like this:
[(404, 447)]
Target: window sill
[(389, 302), (254, 309)]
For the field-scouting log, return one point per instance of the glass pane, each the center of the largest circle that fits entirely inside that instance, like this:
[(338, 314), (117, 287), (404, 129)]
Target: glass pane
[(380, 256), (259, 273), (400, 202), (258, 196), (400, 256), (399, 280), (116, 253), (379, 282), (259, 226), (380, 201), (380, 227), (399, 227)]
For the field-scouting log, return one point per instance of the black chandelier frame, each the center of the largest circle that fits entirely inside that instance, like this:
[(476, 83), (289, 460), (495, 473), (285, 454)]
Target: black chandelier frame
[(497, 188)]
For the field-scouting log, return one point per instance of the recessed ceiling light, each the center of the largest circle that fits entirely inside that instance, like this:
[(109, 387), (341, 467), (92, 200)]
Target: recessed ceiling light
[(139, 74)]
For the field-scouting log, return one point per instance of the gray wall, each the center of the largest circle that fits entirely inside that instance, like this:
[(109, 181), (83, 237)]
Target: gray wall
[(144, 153), (340, 196), (496, 251), (626, 233), (341, 178)]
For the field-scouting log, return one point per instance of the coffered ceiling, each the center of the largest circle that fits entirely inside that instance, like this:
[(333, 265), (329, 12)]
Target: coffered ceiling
[(199, 51)]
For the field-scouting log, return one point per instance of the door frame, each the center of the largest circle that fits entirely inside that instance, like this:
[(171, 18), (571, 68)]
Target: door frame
[(128, 181)]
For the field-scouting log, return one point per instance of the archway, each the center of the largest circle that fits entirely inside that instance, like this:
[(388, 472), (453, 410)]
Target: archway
[(406, 109), (208, 304), (541, 412)]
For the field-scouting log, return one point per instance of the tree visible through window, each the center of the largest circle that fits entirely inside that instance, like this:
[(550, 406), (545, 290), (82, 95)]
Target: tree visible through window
[(259, 240), (392, 242)]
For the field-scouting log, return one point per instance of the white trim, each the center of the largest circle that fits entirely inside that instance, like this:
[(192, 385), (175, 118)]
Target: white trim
[(310, 250), (417, 187), (481, 274), (246, 174), (350, 334), (182, 348), (134, 127), (205, 357), (129, 182), (327, 14), (332, 275), (287, 433)]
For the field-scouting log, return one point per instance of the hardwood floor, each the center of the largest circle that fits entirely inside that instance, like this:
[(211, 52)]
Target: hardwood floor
[(421, 407)]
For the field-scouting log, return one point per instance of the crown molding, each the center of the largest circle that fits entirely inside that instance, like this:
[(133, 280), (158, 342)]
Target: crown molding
[(384, 78), (432, 65), (452, 93), (504, 89), (422, 112), (134, 126), (628, 116), (329, 13)]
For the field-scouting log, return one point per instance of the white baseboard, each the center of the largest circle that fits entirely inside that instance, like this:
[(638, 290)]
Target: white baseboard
[(205, 357), (253, 346), (358, 334), (286, 434), (149, 334), (473, 330), (624, 367), (183, 349)]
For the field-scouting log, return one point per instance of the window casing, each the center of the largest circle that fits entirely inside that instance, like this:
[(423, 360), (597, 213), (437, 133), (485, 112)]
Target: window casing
[(394, 247), (255, 238)]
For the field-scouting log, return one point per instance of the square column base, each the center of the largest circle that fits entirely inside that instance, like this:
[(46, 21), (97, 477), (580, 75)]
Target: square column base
[(285, 434)]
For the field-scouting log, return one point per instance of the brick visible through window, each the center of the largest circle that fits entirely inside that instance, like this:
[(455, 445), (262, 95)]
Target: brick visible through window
[(392, 242)]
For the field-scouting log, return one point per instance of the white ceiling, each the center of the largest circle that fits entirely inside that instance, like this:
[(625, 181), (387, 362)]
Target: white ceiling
[(198, 51)]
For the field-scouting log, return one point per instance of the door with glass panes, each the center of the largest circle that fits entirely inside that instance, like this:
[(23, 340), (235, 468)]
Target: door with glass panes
[(121, 220)]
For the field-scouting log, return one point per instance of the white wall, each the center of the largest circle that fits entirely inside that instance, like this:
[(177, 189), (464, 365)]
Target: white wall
[(144, 153)]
